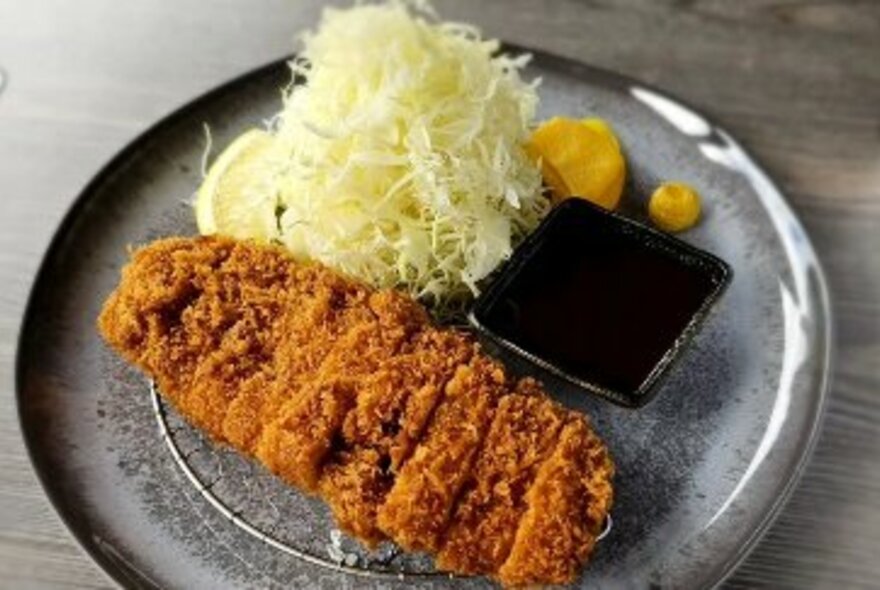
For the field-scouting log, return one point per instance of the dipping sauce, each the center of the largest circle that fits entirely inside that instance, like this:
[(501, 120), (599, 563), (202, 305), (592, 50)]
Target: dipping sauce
[(602, 301)]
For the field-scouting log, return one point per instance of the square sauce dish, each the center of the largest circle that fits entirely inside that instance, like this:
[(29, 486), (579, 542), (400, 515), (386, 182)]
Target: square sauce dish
[(601, 301)]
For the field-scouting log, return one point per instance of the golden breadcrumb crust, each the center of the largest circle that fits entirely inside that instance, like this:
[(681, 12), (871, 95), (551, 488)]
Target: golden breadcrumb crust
[(406, 430)]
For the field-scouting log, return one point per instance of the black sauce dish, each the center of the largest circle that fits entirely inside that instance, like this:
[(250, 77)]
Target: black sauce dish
[(601, 301)]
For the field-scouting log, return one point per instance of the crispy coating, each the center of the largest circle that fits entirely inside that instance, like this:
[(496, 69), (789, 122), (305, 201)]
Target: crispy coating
[(417, 510), (405, 429), (332, 315), (393, 406), (400, 395), (354, 484), (523, 432), (567, 506), (182, 315), (295, 444), (324, 317)]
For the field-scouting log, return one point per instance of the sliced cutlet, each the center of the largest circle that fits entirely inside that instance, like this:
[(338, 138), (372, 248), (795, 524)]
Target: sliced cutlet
[(241, 302), (353, 484), (418, 507), (392, 409), (210, 319), (523, 433), (142, 318), (315, 321), (323, 308), (202, 316), (296, 443), (399, 397), (567, 506), (269, 302)]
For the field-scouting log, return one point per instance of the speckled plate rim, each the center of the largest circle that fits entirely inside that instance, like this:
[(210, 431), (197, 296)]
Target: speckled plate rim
[(778, 209)]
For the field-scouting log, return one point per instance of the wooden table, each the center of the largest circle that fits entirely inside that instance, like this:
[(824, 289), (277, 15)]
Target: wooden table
[(798, 82)]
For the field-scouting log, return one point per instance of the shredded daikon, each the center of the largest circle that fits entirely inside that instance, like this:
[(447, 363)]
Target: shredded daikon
[(405, 146)]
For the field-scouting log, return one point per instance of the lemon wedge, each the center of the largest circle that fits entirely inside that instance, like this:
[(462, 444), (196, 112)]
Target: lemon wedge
[(236, 198)]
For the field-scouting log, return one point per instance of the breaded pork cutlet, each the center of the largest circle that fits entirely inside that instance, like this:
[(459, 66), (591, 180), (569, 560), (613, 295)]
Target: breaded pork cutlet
[(567, 506), (232, 333), (418, 507), (480, 534), (325, 313), (295, 444), (184, 313), (392, 409), (406, 430)]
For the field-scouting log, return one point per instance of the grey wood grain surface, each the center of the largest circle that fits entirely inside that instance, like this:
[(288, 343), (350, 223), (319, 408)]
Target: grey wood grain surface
[(798, 82)]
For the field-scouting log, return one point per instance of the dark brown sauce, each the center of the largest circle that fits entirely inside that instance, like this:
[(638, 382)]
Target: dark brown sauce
[(600, 298)]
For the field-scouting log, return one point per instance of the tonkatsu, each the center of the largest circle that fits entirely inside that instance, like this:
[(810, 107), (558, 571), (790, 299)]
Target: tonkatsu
[(408, 431)]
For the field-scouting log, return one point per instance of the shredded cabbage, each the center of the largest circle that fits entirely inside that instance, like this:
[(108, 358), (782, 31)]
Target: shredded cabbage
[(404, 151)]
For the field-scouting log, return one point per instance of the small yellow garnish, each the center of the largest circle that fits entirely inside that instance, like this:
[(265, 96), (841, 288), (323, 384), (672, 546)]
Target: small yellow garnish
[(580, 159), (674, 207)]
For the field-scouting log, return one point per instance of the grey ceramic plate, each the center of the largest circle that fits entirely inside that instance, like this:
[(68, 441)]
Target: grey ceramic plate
[(702, 469)]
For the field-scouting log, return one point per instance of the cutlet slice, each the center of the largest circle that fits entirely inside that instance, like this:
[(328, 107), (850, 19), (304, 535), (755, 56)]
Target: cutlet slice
[(142, 317), (567, 506), (294, 446), (523, 433), (418, 507), (354, 483), (325, 311), (243, 302), (399, 397), (222, 376), (393, 406), (321, 318), (296, 443), (181, 314)]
